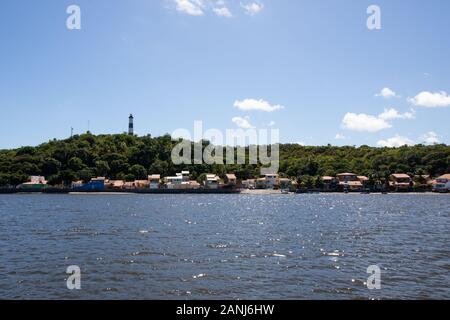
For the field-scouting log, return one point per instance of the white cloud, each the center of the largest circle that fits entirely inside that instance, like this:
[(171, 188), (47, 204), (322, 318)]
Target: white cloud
[(386, 93), (395, 142), (191, 7), (391, 114), (223, 12), (431, 100), (271, 124), (253, 8), (242, 123), (340, 137), (252, 104), (368, 123), (364, 123), (431, 138)]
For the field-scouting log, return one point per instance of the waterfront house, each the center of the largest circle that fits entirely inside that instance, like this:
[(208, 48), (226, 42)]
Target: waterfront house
[(114, 184), (38, 179), (349, 182), (212, 181), (154, 181), (129, 185), (272, 180), (194, 185), (180, 181), (285, 183), (329, 183), (442, 183), (185, 175), (76, 184), (35, 183), (401, 182), (230, 180), (96, 184), (249, 184), (364, 180), (261, 183), (142, 184), (174, 182)]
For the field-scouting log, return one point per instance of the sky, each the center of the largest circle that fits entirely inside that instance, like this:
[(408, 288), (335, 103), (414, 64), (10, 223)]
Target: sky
[(310, 68)]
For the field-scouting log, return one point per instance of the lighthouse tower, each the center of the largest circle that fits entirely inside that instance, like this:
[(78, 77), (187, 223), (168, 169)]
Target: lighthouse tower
[(130, 125)]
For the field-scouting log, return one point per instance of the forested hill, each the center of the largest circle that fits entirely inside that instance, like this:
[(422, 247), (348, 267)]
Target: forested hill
[(131, 157)]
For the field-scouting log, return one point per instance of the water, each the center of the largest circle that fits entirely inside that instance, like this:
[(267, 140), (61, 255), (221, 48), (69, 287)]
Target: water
[(224, 246)]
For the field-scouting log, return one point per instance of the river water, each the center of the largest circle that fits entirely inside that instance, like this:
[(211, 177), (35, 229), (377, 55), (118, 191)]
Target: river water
[(225, 246)]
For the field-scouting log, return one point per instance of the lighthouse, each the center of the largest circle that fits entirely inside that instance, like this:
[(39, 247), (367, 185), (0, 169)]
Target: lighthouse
[(130, 125)]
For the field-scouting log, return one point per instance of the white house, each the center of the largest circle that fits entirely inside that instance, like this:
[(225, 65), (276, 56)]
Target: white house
[(154, 180), (442, 184), (272, 180), (349, 181), (174, 182), (185, 175), (212, 181), (180, 181)]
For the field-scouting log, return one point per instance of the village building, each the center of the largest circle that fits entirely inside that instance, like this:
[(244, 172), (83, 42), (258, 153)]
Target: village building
[(142, 184), (272, 180), (261, 183), (401, 182), (329, 183), (230, 180), (442, 183), (114, 184), (34, 183), (364, 180), (212, 181), (249, 184), (174, 182), (154, 181), (129, 185), (185, 175), (180, 181), (349, 182), (285, 183), (96, 184), (194, 185)]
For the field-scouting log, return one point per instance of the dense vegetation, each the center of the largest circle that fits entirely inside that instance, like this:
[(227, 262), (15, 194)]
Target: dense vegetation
[(129, 157)]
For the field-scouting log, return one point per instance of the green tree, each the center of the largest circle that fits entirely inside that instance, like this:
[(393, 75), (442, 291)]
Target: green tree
[(102, 168), (50, 166), (4, 179), (86, 174), (75, 164), (139, 172), (319, 183), (158, 167)]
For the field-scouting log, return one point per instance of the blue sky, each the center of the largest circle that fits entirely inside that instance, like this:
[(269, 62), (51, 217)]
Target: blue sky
[(311, 68)]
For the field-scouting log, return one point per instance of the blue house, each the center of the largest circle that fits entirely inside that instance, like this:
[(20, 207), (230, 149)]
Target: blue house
[(97, 184)]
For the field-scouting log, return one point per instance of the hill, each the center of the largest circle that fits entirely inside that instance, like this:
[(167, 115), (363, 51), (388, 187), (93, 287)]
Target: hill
[(130, 157)]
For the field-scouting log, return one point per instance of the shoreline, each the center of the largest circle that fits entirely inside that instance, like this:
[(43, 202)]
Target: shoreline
[(261, 192)]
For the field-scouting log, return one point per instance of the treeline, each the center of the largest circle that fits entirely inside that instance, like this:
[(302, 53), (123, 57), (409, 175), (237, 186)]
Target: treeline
[(125, 157)]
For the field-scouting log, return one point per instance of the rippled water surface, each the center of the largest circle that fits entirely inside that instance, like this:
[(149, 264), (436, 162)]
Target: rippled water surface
[(224, 246)]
